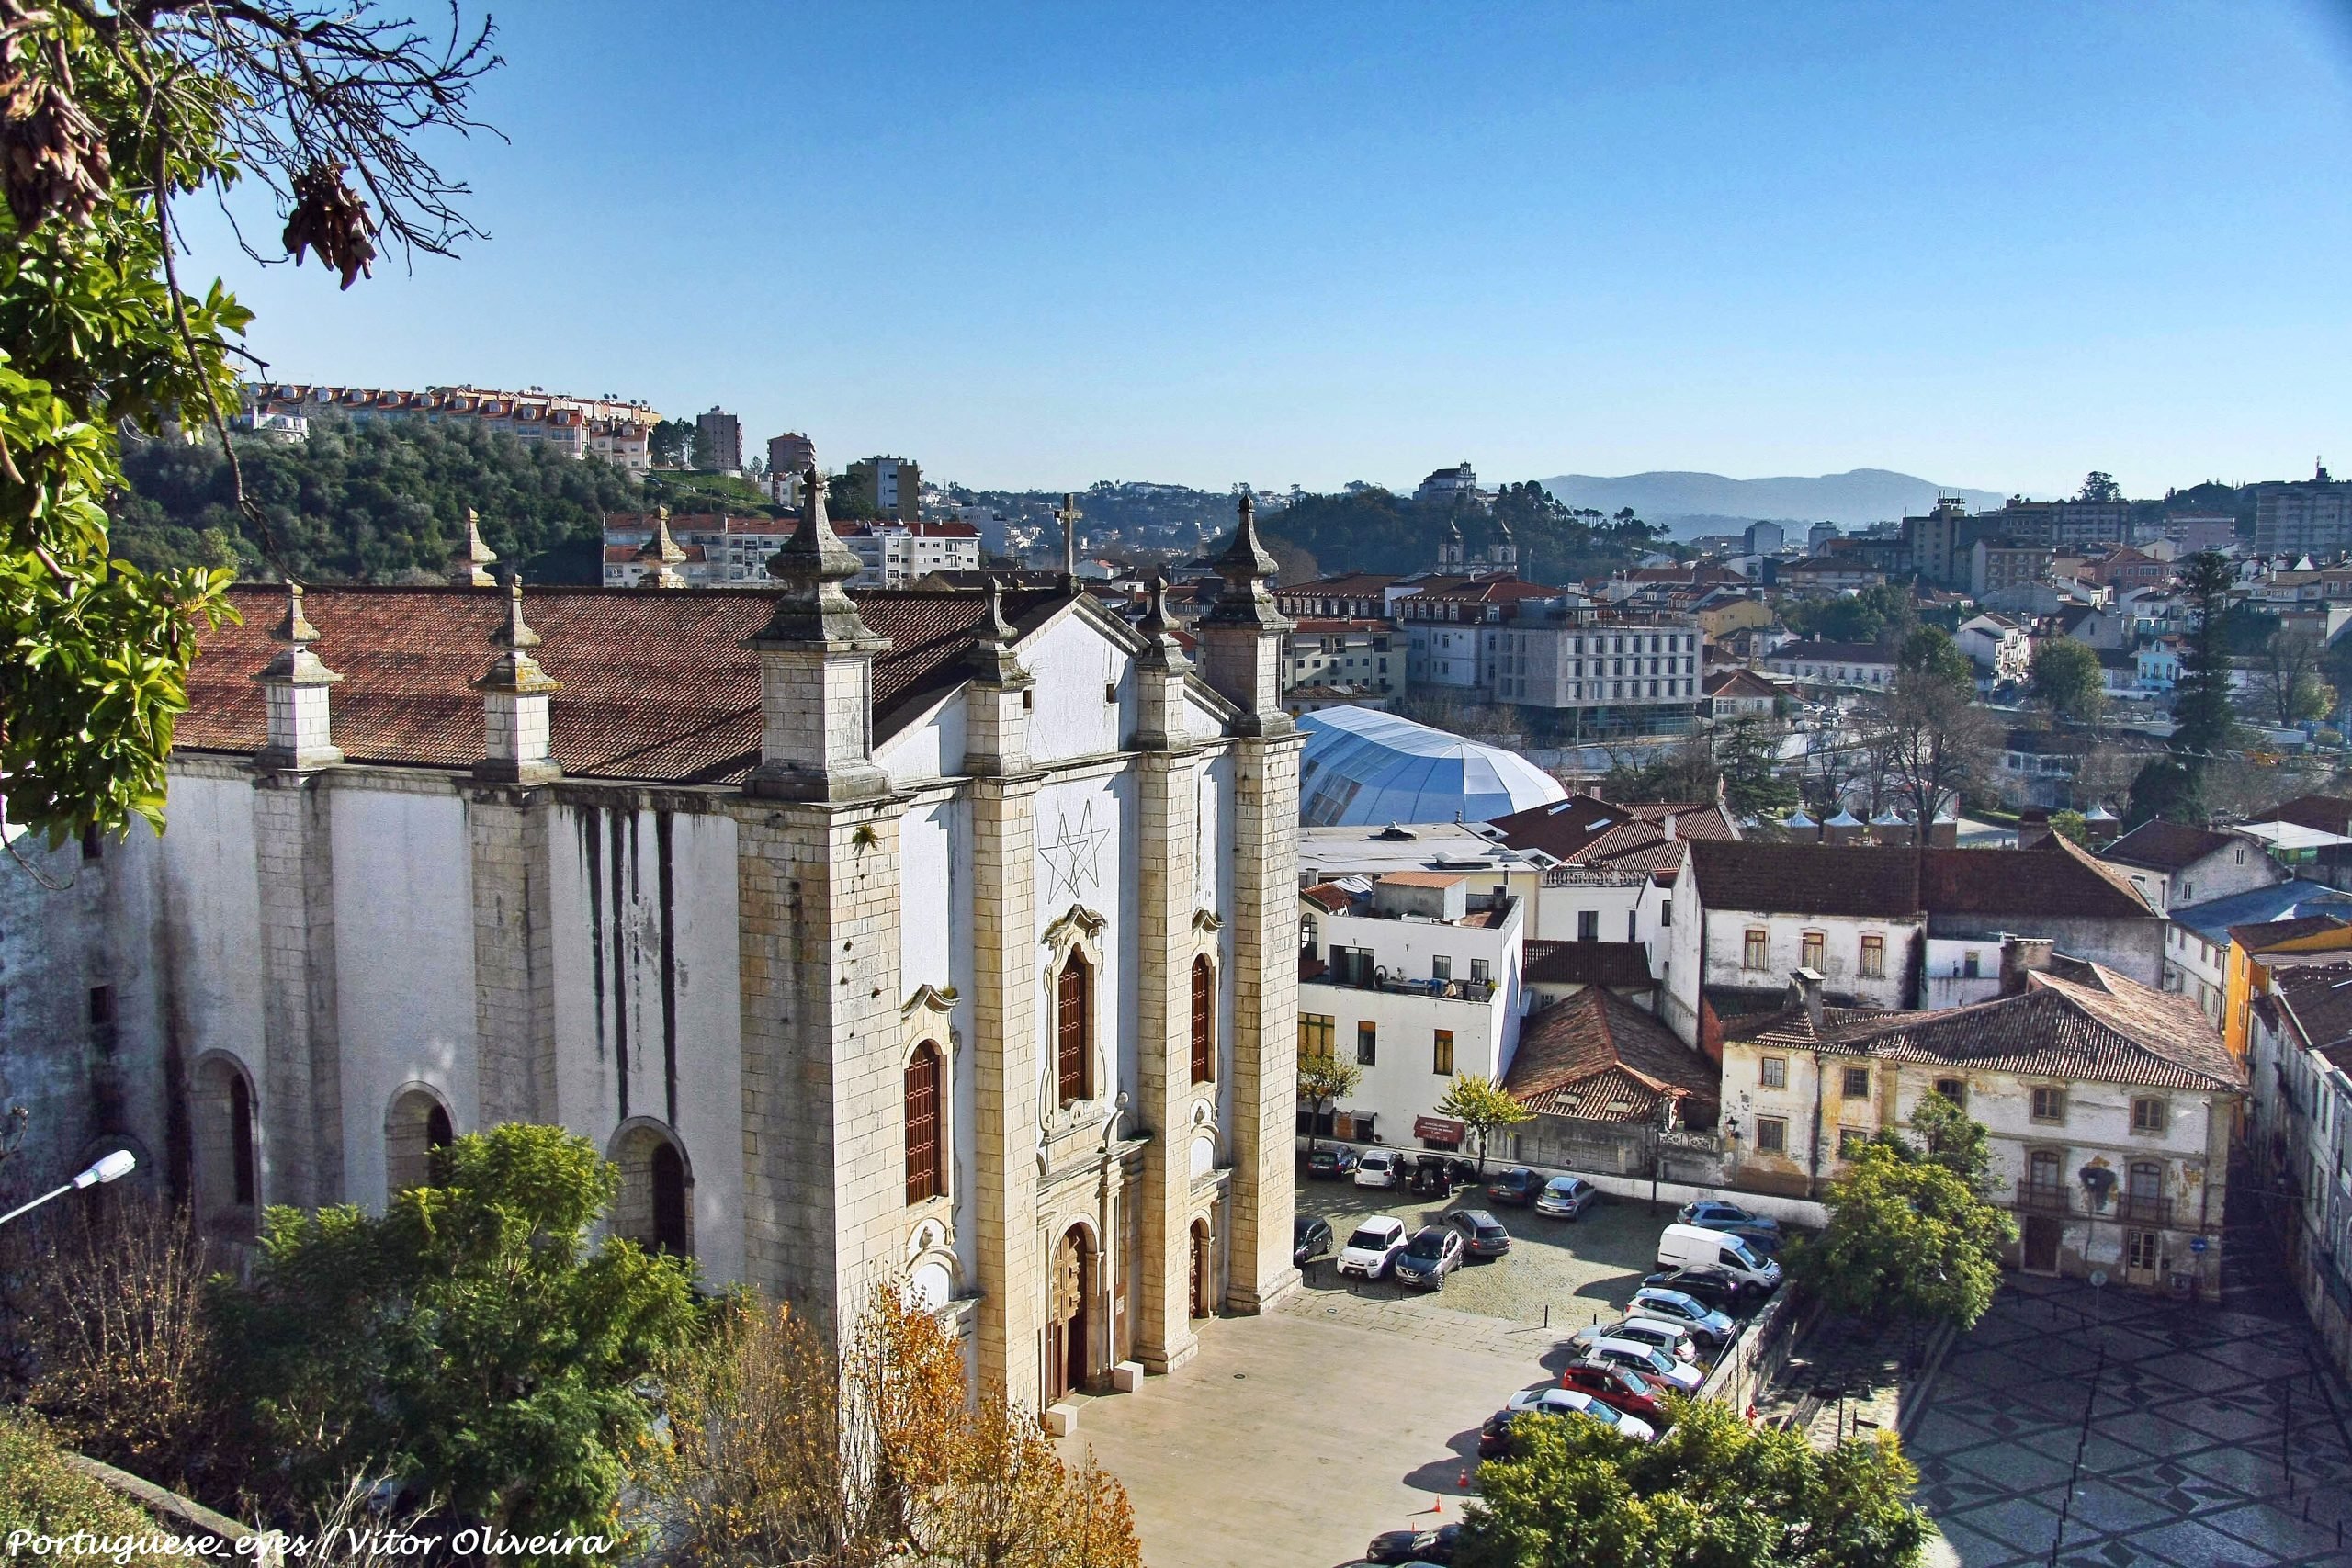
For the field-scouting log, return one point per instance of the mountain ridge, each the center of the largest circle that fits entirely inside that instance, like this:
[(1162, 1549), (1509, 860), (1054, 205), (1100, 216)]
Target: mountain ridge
[(1854, 497)]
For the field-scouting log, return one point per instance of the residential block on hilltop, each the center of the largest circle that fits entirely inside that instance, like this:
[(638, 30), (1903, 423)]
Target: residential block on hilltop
[(609, 428)]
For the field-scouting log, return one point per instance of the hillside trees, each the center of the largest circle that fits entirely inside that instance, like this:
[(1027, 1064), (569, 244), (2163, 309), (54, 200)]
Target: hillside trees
[(1372, 530), (109, 114)]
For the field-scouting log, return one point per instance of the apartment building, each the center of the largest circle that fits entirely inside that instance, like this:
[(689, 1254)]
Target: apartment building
[(2305, 517), (719, 442), (1362, 654), (608, 428), (719, 552), (1997, 566), (898, 555), (1415, 977), (897, 485), (791, 453)]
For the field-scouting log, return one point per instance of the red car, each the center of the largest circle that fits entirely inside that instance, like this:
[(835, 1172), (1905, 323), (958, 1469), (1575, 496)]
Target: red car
[(1619, 1388)]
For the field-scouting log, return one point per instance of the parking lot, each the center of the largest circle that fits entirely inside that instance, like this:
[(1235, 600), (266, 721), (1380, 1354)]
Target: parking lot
[(1577, 1272)]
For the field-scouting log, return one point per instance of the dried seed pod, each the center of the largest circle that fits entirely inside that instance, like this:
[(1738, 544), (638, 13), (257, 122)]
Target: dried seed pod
[(52, 155), (329, 218)]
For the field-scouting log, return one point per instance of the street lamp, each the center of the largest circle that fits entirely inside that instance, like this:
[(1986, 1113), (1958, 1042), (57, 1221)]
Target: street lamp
[(107, 1168)]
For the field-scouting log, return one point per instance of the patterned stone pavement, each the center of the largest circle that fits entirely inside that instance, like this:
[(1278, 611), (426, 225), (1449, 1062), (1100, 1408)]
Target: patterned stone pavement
[(2126, 1430)]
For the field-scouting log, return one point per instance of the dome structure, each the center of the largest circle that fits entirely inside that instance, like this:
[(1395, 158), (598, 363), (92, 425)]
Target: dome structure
[(1364, 768)]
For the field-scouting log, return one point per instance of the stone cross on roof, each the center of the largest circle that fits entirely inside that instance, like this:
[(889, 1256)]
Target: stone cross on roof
[(1068, 517)]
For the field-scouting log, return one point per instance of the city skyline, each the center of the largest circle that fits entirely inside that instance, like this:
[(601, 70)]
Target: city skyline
[(1080, 246)]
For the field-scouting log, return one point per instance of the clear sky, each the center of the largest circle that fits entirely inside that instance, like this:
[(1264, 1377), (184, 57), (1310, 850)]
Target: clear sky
[(1989, 245)]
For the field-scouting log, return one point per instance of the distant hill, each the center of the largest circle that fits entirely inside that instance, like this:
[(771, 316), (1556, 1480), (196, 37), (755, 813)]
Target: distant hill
[(1693, 503)]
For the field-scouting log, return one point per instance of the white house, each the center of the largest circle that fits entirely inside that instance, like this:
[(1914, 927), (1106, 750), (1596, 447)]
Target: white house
[(2174, 864), (1415, 977), (1862, 665), (1996, 645)]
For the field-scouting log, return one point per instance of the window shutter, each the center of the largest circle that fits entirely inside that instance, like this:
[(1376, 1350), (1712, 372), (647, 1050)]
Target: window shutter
[(922, 1123), (1070, 1051), (1204, 1018)]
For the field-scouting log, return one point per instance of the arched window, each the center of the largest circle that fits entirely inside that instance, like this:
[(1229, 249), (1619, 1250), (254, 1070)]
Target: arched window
[(241, 1140), (654, 1209), (417, 1124), (1074, 1030), (1203, 1020), (924, 1176), (668, 1174), (2147, 1179)]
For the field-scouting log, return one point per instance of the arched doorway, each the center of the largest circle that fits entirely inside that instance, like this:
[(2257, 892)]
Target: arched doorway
[(655, 1208), (1066, 1313), (417, 1124), (228, 1174), (1203, 1270)]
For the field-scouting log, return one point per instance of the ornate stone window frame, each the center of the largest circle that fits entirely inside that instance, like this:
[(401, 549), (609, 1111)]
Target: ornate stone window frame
[(1080, 930), (924, 1016)]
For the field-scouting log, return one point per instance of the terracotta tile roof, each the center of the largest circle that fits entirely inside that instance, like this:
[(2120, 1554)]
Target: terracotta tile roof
[(2054, 877), (2101, 1029), (1738, 683), (1791, 1028), (1598, 1057), (656, 684), (2263, 936), (1588, 964), (2159, 845), (1581, 830)]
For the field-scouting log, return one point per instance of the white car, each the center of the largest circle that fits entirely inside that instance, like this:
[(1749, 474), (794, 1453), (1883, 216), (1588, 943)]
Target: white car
[(1373, 1248), (1553, 1400), (1674, 1338), (1381, 1167), (1648, 1360)]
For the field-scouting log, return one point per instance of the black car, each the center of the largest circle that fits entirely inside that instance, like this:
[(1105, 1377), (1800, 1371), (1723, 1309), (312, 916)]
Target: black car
[(1309, 1238), (1520, 1187), (1718, 1288), (1414, 1546), (1329, 1165), (1482, 1234)]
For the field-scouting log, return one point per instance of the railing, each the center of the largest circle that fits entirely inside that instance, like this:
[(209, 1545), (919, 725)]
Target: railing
[(2143, 1210), (1441, 990), (2042, 1199)]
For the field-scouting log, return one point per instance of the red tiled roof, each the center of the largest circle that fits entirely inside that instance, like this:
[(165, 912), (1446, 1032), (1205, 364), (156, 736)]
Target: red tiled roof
[(656, 684), (1598, 1057), (1588, 964), (2101, 1029), (2322, 813), (2054, 877), (2319, 997), (1738, 683), (1581, 830)]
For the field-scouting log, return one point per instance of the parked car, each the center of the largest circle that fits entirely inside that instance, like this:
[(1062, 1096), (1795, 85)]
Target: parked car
[(1310, 1239), (1373, 1248), (1646, 1359), (1719, 1288), (1437, 1175), (1711, 1327), (1695, 1246), (1493, 1438), (1766, 1245), (1381, 1167), (1414, 1546), (1566, 1198), (1329, 1165), (1434, 1252), (1482, 1234), (1619, 1388), (1674, 1339), (1717, 1215), (1517, 1187)]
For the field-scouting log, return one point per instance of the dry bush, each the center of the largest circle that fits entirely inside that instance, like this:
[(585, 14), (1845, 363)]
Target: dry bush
[(117, 1336), (782, 1452)]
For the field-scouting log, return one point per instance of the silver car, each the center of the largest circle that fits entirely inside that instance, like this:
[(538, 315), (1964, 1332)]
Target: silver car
[(1566, 1198)]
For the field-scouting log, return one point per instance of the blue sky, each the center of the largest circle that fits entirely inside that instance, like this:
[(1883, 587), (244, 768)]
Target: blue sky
[(1990, 244)]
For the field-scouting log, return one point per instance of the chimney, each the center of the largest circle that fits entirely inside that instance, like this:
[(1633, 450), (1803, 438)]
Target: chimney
[(1804, 990), (2021, 955), (1668, 825)]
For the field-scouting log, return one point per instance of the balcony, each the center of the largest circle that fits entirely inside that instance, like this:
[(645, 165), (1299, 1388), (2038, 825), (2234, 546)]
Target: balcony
[(2143, 1210), (1440, 990), (2043, 1200)]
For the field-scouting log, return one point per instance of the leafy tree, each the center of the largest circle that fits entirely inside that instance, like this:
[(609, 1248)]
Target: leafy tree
[(1949, 1137), (1750, 757), (2288, 684), (1324, 1080), (849, 495), (2164, 786), (2071, 825), (1714, 1492), (383, 501), (470, 1339), (2066, 679), (111, 113), (1684, 771), (1907, 1236), (671, 443), (1481, 1104), (2098, 486)]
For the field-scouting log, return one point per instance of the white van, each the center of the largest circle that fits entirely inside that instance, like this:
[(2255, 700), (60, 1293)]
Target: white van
[(1695, 1246)]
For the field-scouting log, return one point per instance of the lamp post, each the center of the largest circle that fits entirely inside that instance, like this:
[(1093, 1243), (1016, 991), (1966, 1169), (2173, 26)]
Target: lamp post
[(110, 1167)]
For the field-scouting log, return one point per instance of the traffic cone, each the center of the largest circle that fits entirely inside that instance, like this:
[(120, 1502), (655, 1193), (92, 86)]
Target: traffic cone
[(1463, 1481)]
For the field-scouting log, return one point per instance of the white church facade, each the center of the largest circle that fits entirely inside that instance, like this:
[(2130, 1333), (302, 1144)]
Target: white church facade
[(937, 938)]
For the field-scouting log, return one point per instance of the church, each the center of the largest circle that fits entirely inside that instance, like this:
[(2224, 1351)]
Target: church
[(935, 939)]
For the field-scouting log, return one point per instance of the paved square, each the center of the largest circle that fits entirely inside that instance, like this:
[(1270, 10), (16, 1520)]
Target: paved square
[(2215, 1440)]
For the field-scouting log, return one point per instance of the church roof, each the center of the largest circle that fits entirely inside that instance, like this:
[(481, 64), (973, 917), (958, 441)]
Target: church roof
[(1367, 767), (656, 683)]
